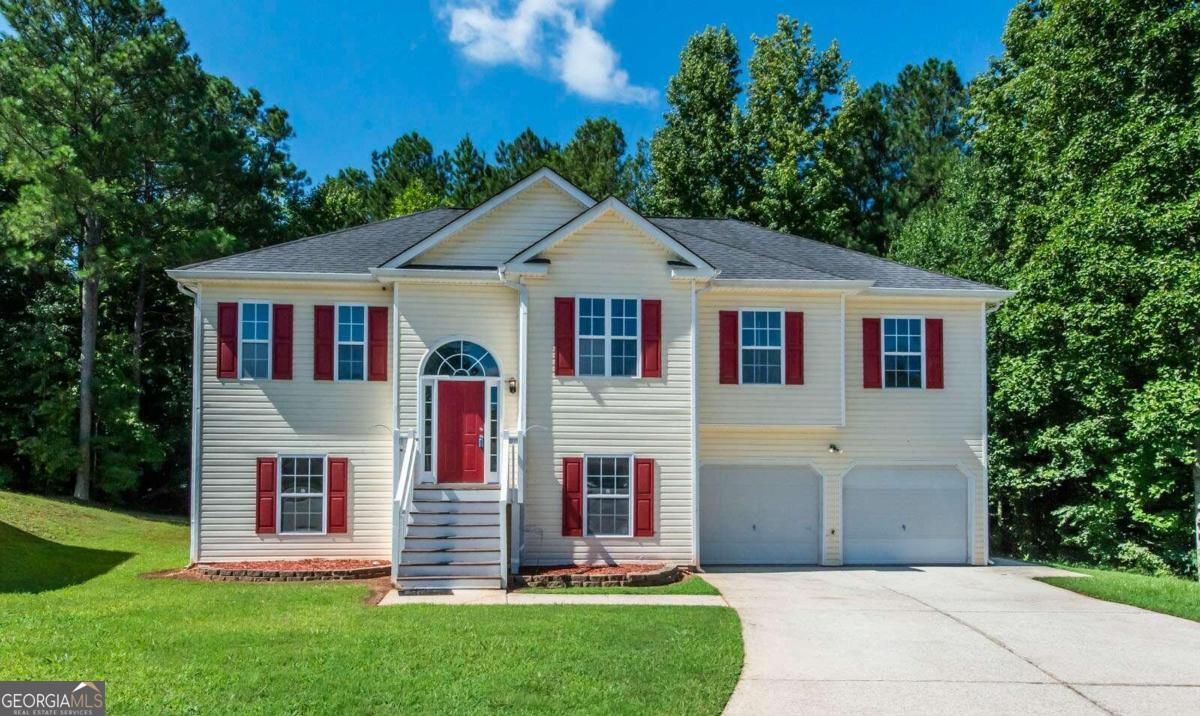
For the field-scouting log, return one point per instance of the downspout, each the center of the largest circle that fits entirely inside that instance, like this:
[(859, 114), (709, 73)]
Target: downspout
[(522, 392), (984, 312), (695, 407), (197, 374)]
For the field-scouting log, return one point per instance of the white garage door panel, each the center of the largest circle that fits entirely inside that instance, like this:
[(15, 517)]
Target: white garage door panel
[(905, 515), (760, 515)]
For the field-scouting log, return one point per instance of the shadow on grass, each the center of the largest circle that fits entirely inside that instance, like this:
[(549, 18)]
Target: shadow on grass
[(31, 564)]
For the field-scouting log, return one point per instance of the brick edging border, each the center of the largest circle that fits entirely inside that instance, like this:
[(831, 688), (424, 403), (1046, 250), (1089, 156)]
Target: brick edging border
[(217, 573), (668, 574)]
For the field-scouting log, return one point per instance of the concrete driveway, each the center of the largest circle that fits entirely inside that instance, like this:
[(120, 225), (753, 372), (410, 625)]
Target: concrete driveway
[(951, 640)]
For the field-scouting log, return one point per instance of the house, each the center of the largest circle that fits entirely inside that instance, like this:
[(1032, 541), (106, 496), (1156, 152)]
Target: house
[(548, 379)]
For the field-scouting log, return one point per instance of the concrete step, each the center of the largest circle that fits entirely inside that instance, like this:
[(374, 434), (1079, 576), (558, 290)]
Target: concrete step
[(465, 531), (406, 584), (442, 569), (444, 507), (440, 494), (455, 519), (453, 541)]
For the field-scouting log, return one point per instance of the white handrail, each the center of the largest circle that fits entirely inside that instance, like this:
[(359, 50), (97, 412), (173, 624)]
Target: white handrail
[(403, 484)]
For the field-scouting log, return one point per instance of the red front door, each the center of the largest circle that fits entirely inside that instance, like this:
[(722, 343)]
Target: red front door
[(460, 431)]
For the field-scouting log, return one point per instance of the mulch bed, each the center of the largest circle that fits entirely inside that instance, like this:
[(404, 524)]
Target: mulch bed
[(290, 570), (584, 569), (302, 565)]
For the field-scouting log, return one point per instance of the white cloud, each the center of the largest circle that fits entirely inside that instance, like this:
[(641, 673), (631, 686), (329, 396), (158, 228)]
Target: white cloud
[(558, 35)]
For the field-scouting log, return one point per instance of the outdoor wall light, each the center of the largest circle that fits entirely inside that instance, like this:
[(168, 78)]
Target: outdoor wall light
[(834, 448), (512, 386)]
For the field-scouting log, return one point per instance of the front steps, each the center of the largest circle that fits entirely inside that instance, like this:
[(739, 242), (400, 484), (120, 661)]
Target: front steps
[(453, 539)]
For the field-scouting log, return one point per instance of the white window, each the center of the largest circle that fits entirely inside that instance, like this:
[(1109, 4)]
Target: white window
[(608, 503), (493, 427), (608, 336), (302, 494), (761, 347), (351, 342), (903, 352), (254, 349)]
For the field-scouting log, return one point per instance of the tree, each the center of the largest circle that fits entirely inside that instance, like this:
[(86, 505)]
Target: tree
[(594, 159), (75, 82), (695, 156), (469, 175), (524, 155), (410, 158), (337, 202), (126, 158), (788, 110), (1081, 193)]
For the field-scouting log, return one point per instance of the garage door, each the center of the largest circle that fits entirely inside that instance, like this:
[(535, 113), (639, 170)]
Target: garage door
[(904, 515), (760, 515)]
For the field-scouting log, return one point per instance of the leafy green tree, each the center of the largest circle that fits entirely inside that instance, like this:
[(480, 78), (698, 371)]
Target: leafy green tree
[(1081, 193), (788, 110), (409, 159), (696, 158), (337, 202), (415, 197)]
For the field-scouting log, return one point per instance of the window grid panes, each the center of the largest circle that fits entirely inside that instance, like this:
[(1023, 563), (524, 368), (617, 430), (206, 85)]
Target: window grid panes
[(463, 359), (493, 427), (608, 336), (427, 432), (607, 485), (762, 347), (301, 494), (351, 342), (902, 352), (255, 349)]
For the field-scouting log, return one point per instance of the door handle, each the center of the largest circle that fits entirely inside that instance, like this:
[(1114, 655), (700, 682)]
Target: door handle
[(481, 441)]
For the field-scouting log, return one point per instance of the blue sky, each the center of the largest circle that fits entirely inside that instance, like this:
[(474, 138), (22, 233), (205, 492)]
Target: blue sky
[(355, 75)]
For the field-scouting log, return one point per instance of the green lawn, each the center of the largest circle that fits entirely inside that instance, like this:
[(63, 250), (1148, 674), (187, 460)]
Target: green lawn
[(1169, 595), (689, 585), (74, 606)]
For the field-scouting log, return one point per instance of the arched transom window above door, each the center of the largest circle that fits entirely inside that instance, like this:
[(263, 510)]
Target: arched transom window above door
[(463, 359)]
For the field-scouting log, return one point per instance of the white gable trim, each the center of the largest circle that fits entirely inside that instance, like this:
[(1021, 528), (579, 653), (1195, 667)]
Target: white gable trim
[(517, 263), (543, 174)]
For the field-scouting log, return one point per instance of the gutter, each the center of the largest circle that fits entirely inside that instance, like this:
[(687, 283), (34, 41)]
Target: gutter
[(197, 370), (316, 277), (448, 275)]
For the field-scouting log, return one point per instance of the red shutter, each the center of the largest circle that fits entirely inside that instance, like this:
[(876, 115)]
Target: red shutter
[(572, 506), (793, 325), (729, 347), (322, 342), (651, 338), (281, 341), (377, 342), (227, 336), (264, 501), (339, 473), (872, 358), (564, 336), (933, 353), (643, 497)]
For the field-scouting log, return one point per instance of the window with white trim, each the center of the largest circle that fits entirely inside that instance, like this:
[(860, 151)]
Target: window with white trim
[(351, 342), (903, 352), (493, 428), (302, 494), (762, 347), (254, 334), (608, 336), (608, 498)]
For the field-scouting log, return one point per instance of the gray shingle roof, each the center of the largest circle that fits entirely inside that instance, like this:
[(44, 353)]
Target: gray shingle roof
[(357, 249), (744, 251), (738, 249)]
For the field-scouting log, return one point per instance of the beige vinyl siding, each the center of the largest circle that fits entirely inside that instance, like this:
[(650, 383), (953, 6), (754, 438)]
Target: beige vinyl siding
[(573, 416), (883, 426), (431, 314), (243, 420), (495, 237), (816, 402)]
